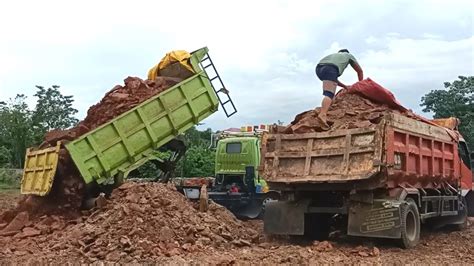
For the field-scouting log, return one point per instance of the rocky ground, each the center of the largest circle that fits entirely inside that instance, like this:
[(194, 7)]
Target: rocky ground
[(154, 223)]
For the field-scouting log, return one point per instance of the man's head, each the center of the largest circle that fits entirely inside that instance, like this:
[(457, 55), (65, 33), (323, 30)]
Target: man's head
[(343, 51)]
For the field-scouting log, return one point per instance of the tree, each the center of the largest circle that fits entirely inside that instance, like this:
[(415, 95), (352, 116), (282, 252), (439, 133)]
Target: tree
[(199, 159), (457, 100), (16, 132), (21, 128), (53, 110), (199, 162)]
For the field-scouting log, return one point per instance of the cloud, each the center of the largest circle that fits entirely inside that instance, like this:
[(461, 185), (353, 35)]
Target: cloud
[(265, 51)]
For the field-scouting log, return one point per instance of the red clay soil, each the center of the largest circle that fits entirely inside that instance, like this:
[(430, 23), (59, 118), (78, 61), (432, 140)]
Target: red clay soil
[(140, 221), (348, 110), (115, 102), (151, 222)]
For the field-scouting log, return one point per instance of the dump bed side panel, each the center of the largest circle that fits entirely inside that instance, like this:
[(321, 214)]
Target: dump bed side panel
[(128, 139), (420, 155), (39, 170), (339, 156)]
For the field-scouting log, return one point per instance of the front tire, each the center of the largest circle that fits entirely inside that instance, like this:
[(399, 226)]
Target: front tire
[(410, 224)]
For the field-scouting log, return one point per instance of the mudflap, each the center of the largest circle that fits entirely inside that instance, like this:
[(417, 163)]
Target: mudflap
[(378, 219), (285, 217), (251, 210)]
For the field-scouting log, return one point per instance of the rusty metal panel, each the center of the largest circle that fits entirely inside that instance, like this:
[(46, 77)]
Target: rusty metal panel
[(419, 154), (408, 124), (338, 156)]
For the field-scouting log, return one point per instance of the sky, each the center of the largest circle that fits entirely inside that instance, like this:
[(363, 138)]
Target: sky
[(265, 51)]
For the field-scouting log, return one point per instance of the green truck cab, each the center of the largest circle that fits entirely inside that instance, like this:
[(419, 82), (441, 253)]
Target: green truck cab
[(237, 184), (233, 155)]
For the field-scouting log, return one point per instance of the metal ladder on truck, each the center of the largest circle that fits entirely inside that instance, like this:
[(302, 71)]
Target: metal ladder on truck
[(205, 63)]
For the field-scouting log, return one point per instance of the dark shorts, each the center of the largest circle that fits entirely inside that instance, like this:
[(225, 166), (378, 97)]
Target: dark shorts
[(327, 72)]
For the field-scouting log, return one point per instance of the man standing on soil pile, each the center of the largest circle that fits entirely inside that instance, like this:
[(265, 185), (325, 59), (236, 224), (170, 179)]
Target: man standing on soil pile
[(328, 70)]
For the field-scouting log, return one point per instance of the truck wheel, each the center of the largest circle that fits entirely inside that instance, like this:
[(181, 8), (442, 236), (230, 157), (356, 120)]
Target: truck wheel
[(410, 224), (462, 217), (269, 197)]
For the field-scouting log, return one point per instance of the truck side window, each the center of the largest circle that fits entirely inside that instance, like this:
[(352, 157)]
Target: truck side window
[(234, 147), (464, 153)]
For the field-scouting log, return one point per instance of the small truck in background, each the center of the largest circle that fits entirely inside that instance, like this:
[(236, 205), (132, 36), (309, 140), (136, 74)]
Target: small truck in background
[(236, 184), (380, 181)]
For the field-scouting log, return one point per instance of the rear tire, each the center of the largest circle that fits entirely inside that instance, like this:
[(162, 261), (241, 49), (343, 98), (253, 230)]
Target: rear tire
[(410, 224), (271, 196), (462, 216)]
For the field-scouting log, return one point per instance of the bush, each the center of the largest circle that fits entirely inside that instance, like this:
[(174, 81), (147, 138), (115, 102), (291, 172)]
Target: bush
[(10, 178)]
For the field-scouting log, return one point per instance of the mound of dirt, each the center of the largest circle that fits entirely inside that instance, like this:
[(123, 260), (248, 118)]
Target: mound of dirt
[(348, 110), (140, 220), (115, 102)]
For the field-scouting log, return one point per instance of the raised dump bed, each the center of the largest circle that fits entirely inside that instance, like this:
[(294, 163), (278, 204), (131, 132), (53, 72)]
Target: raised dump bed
[(129, 140)]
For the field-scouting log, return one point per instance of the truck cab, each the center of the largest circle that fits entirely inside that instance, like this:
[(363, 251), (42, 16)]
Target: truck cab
[(233, 156), (237, 184)]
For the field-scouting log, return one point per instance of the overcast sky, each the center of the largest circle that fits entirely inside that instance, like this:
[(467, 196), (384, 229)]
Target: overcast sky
[(265, 51)]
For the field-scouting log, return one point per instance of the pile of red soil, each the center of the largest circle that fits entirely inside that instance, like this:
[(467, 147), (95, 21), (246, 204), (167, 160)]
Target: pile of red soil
[(348, 110), (139, 221), (115, 102)]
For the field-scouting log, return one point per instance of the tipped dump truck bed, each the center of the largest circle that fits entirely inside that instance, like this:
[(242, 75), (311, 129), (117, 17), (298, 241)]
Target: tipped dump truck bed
[(128, 141)]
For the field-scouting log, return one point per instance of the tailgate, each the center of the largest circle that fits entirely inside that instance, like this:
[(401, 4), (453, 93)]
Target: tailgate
[(338, 156), (40, 168)]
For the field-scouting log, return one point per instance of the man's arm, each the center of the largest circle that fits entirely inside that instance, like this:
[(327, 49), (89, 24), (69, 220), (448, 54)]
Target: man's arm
[(341, 84), (358, 69)]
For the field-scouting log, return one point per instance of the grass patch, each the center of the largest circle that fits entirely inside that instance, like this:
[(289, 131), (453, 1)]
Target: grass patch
[(10, 178)]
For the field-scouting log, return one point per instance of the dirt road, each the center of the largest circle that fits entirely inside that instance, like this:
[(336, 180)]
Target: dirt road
[(8, 198), (57, 244)]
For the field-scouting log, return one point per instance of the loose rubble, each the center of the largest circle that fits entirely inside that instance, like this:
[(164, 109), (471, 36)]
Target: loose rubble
[(349, 110), (139, 220), (150, 222)]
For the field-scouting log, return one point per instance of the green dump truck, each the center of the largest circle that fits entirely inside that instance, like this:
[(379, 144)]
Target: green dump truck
[(236, 184), (107, 154)]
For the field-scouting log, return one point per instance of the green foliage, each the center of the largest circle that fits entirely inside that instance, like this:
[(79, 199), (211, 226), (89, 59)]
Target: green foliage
[(53, 111), (5, 157), (21, 127), (15, 129), (457, 100), (198, 161), (9, 178)]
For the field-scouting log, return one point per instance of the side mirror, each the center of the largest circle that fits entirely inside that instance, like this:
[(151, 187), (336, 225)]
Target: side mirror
[(214, 140)]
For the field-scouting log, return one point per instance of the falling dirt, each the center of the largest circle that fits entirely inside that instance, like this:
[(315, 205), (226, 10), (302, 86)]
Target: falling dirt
[(68, 188), (151, 222)]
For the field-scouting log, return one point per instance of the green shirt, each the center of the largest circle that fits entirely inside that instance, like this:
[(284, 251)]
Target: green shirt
[(341, 60)]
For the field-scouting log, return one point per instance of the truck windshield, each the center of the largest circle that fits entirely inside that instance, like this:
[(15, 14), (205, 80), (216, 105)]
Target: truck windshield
[(234, 147)]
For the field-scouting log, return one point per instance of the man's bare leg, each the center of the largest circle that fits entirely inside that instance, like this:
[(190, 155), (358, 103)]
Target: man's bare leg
[(326, 103)]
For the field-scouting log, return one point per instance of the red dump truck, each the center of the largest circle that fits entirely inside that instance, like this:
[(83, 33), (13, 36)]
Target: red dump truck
[(381, 181)]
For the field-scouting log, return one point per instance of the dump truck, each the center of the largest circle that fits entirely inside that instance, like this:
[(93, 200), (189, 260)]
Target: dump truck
[(381, 181), (237, 184), (106, 155)]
